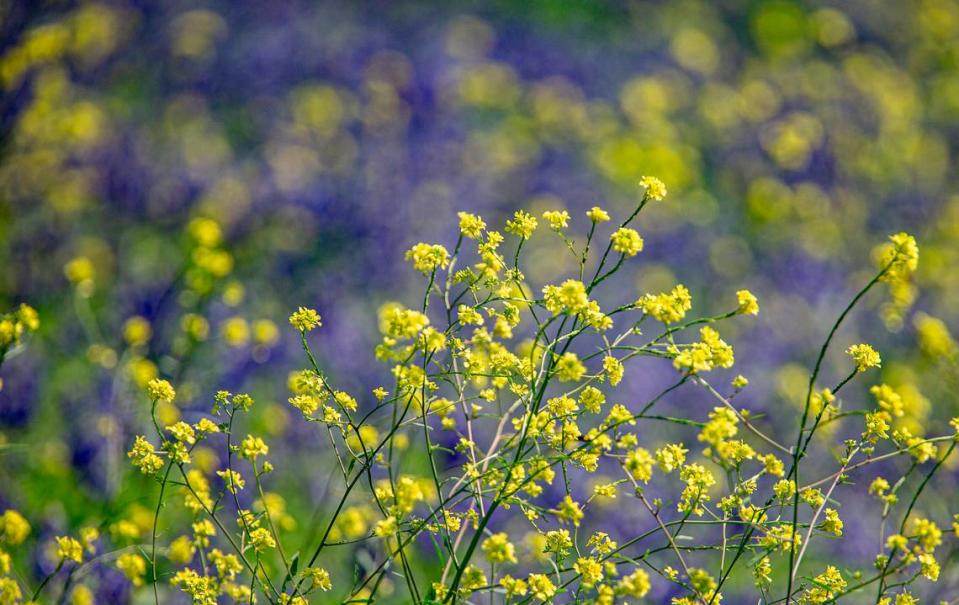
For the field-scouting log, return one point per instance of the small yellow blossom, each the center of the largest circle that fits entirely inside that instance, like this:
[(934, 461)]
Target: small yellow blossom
[(748, 304), (832, 523), (590, 571), (865, 357), (762, 572), (655, 189), (386, 527), (144, 456), (305, 319), (627, 241), (876, 427), (203, 589), (69, 549), (473, 579), (205, 425), (557, 219), (929, 567), (569, 368), (667, 307), (614, 369), (558, 541), (161, 390), (774, 466), (471, 225), (671, 457), (569, 510), (428, 257), (901, 256), (89, 535), (597, 215), (592, 399), (927, 533), (897, 542), (711, 352), (812, 496), (262, 539), (604, 490), (827, 585), (514, 587), (469, 316), (540, 586), (569, 297), (878, 486), (639, 464), (251, 447), (320, 578), (232, 480), (182, 431), (522, 225)]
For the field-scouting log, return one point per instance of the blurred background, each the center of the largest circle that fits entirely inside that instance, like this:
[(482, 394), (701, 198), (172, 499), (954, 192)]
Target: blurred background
[(176, 177)]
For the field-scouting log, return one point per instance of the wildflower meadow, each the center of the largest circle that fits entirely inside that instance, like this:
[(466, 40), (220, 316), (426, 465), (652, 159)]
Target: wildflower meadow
[(482, 302)]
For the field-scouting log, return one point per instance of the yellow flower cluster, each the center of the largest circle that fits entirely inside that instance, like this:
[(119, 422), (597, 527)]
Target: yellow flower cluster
[(557, 219), (627, 241), (828, 584), (522, 225), (865, 357), (69, 549), (427, 258), (144, 457), (569, 368), (900, 257), (597, 215), (709, 353), (571, 298), (161, 390), (14, 325), (667, 307), (655, 189), (471, 226), (304, 319), (253, 447), (748, 304)]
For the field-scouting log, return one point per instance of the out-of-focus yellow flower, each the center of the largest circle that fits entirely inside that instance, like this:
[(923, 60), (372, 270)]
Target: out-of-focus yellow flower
[(137, 331), (14, 528), (235, 331)]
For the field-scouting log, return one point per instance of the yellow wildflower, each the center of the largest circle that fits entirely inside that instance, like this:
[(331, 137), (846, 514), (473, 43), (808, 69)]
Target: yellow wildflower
[(865, 357), (305, 319), (627, 241), (655, 189)]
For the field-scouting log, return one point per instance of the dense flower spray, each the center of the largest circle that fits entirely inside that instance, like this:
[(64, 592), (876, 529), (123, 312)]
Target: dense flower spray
[(503, 412)]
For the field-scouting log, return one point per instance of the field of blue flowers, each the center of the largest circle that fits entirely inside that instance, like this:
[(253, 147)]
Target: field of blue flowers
[(479, 302)]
